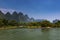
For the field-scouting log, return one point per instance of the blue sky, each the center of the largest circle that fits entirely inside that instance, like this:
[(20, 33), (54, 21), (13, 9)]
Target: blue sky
[(38, 9)]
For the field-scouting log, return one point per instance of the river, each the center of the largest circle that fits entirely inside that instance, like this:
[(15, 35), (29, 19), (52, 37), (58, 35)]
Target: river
[(30, 34)]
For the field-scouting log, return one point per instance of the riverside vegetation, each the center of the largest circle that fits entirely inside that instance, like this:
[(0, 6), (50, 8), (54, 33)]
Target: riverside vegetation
[(18, 20)]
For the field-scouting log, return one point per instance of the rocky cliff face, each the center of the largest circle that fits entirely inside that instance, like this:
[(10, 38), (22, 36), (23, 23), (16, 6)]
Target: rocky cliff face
[(1, 15)]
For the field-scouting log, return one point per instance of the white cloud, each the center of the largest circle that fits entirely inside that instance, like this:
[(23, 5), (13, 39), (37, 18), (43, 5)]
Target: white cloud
[(7, 10)]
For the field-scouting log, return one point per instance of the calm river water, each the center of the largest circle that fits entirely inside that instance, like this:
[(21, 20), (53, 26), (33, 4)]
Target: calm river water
[(30, 34)]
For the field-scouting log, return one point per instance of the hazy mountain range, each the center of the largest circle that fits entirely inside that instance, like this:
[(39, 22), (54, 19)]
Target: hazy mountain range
[(19, 17)]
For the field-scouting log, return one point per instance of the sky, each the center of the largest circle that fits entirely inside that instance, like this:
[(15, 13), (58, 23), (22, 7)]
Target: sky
[(38, 9)]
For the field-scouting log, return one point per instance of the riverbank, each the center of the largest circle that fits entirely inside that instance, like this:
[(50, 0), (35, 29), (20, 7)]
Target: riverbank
[(8, 27), (20, 27)]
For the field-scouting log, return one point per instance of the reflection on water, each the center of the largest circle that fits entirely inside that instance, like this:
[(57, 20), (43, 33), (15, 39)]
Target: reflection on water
[(30, 34), (45, 30)]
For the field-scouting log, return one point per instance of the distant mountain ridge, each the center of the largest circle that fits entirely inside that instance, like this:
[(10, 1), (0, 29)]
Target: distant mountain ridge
[(10, 14), (19, 17)]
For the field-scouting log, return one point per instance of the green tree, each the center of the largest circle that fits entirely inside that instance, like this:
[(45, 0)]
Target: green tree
[(5, 22), (13, 23), (57, 24), (1, 23), (46, 23)]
